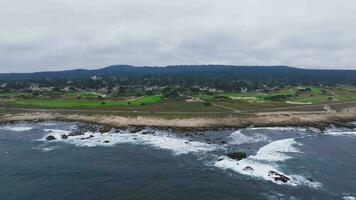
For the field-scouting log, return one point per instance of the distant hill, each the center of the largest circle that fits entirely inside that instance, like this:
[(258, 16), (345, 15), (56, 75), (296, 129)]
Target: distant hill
[(226, 72)]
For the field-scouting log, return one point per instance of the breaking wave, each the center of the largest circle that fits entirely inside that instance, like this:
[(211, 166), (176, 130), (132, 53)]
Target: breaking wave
[(266, 161), (239, 138), (158, 140), (17, 128), (340, 133), (349, 198)]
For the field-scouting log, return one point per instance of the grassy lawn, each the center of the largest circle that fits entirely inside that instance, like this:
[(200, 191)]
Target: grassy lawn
[(86, 95), (62, 103), (14, 94)]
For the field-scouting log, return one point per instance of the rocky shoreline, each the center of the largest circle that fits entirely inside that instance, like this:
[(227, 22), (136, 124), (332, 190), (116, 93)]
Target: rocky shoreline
[(318, 120)]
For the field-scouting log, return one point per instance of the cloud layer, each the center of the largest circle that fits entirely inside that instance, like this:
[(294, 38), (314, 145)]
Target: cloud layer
[(62, 34)]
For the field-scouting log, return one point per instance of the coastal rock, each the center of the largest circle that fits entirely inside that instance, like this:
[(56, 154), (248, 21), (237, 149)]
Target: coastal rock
[(106, 141), (237, 155), (64, 136), (147, 132), (50, 137), (248, 168), (310, 179), (76, 132), (90, 136), (136, 130), (105, 129), (278, 177), (88, 128)]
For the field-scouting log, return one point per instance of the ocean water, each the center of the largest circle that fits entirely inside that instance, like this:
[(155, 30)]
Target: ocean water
[(161, 164)]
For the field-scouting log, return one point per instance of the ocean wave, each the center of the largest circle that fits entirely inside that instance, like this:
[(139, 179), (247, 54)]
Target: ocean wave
[(349, 198), (266, 161), (238, 138), (17, 128), (275, 151), (158, 140)]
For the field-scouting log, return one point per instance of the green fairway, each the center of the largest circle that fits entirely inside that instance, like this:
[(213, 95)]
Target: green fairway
[(61, 103)]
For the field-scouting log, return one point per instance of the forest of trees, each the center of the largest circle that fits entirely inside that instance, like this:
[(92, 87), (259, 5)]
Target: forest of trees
[(173, 79)]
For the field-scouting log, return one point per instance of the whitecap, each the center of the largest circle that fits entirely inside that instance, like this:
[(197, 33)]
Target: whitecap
[(239, 138), (159, 140), (46, 149), (17, 128), (349, 198), (267, 159)]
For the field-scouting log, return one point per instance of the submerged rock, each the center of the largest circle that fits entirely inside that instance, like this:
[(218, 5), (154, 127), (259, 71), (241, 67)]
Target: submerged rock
[(64, 136), (248, 168), (106, 141), (237, 155), (278, 177), (50, 137), (90, 136), (310, 179)]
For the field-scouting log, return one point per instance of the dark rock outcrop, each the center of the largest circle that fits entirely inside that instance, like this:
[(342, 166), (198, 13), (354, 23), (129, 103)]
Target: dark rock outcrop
[(64, 136), (88, 127), (50, 137), (147, 132), (76, 132), (237, 155), (278, 177), (136, 130), (90, 136), (105, 129), (248, 168)]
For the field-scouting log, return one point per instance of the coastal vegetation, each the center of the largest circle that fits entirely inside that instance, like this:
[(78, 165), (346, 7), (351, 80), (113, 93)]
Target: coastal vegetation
[(181, 89)]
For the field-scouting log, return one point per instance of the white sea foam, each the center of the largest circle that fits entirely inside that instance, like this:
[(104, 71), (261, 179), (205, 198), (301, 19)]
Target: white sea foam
[(17, 128), (239, 138), (158, 140), (340, 133), (267, 159), (276, 150), (278, 128), (349, 198), (46, 149), (48, 123)]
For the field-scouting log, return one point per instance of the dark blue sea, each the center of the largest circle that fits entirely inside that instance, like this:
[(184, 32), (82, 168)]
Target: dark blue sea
[(155, 164)]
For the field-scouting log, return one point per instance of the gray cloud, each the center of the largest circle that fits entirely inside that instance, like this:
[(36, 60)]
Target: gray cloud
[(63, 34)]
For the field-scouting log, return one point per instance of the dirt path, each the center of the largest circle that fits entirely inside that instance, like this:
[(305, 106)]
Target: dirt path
[(273, 118), (216, 105)]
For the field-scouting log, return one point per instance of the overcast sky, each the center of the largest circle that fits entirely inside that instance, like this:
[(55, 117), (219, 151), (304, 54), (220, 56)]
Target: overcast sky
[(63, 34)]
